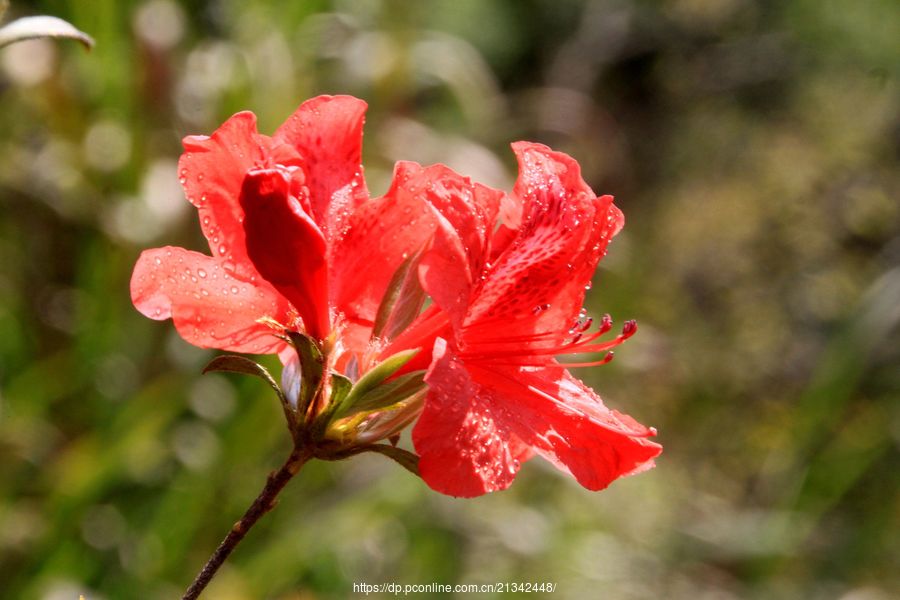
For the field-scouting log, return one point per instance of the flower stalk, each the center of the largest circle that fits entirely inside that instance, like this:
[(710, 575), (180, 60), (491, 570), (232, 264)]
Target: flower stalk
[(265, 502)]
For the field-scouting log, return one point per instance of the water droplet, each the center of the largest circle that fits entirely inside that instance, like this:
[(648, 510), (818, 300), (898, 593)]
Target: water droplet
[(201, 273), (540, 308)]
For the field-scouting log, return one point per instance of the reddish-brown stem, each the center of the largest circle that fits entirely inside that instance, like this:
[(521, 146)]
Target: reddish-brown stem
[(264, 503)]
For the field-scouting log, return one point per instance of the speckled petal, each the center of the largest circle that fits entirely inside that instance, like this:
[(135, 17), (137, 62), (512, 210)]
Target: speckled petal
[(327, 132)]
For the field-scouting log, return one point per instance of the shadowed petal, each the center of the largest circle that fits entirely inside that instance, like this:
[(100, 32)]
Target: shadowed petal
[(327, 132), (465, 214), (211, 307), (382, 233), (286, 246)]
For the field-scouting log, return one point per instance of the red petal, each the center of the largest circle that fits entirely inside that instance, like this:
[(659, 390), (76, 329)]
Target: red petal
[(327, 132), (567, 423), (466, 447), (538, 282), (211, 306), (510, 220), (381, 235), (464, 214), (212, 171), (286, 246), (445, 273)]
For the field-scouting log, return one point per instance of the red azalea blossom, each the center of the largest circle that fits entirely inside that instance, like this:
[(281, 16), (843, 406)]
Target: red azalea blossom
[(290, 227), (297, 242), (510, 302)]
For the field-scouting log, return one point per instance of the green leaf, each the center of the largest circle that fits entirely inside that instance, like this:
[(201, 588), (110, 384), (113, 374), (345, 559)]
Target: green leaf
[(29, 28), (312, 365), (233, 363), (402, 301)]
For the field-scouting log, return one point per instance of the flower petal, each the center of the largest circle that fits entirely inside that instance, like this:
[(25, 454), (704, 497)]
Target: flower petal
[(211, 306), (327, 132), (382, 234), (286, 246), (465, 214), (538, 282), (212, 170), (466, 447), (566, 422)]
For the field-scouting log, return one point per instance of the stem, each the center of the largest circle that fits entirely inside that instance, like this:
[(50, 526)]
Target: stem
[(264, 503)]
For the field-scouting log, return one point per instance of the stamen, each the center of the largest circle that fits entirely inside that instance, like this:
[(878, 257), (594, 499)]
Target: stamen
[(528, 355)]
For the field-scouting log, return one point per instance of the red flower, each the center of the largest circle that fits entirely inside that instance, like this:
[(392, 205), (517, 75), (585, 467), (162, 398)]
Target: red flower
[(510, 302), (291, 229), (296, 240)]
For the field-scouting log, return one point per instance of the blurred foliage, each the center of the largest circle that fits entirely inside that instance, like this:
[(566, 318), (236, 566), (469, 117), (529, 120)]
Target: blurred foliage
[(754, 149)]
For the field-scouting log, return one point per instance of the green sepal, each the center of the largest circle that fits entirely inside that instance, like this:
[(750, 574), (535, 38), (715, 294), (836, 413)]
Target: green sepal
[(383, 397), (312, 366), (340, 388), (375, 377), (402, 301)]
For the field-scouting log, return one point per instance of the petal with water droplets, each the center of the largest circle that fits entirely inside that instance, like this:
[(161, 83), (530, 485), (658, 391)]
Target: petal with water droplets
[(212, 170), (566, 422), (211, 306), (538, 282), (327, 132), (466, 446)]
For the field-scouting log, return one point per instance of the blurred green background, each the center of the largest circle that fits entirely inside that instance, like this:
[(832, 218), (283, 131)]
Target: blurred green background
[(754, 149)]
